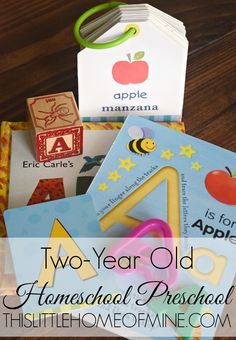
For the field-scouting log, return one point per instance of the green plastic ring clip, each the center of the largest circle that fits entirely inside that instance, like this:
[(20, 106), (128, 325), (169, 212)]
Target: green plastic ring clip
[(124, 37)]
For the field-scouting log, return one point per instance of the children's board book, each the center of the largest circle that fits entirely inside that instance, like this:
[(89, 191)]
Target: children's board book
[(154, 172), (72, 211)]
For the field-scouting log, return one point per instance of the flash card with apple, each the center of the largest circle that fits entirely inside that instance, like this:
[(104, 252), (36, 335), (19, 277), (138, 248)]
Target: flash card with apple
[(140, 59)]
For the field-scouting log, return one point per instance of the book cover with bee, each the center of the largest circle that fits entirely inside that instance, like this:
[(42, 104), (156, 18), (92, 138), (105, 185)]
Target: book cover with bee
[(154, 172)]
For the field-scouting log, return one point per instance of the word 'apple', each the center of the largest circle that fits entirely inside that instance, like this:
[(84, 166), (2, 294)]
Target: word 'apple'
[(222, 186), (128, 72)]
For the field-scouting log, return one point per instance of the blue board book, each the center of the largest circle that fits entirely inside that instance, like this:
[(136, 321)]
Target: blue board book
[(32, 227), (76, 213), (154, 172)]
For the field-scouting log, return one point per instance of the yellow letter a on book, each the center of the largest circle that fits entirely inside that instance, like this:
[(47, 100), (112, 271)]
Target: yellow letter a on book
[(120, 212), (60, 238)]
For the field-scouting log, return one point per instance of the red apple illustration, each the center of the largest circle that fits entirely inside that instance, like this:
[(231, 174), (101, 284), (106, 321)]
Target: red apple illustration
[(222, 185), (128, 72)]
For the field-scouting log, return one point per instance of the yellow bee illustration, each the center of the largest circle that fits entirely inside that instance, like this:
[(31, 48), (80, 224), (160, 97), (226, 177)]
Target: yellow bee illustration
[(142, 140)]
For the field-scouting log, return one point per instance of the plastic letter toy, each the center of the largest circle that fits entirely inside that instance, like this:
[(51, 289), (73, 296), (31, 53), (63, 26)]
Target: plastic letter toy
[(132, 246)]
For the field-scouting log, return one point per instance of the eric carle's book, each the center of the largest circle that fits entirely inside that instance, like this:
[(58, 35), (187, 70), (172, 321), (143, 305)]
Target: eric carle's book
[(154, 172)]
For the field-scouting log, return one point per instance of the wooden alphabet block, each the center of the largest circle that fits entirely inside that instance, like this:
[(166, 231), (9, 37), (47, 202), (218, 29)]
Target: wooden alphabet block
[(56, 126)]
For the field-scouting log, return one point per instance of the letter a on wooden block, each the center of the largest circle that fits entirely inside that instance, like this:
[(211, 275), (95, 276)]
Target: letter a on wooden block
[(59, 145), (56, 126)]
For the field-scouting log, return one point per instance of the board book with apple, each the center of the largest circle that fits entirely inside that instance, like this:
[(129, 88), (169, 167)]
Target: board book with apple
[(154, 172)]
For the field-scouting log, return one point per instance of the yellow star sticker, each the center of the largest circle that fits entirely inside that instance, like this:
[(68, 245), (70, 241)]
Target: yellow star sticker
[(103, 187), (114, 176), (196, 166), (167, 154), (126, 164), (187, 151)]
